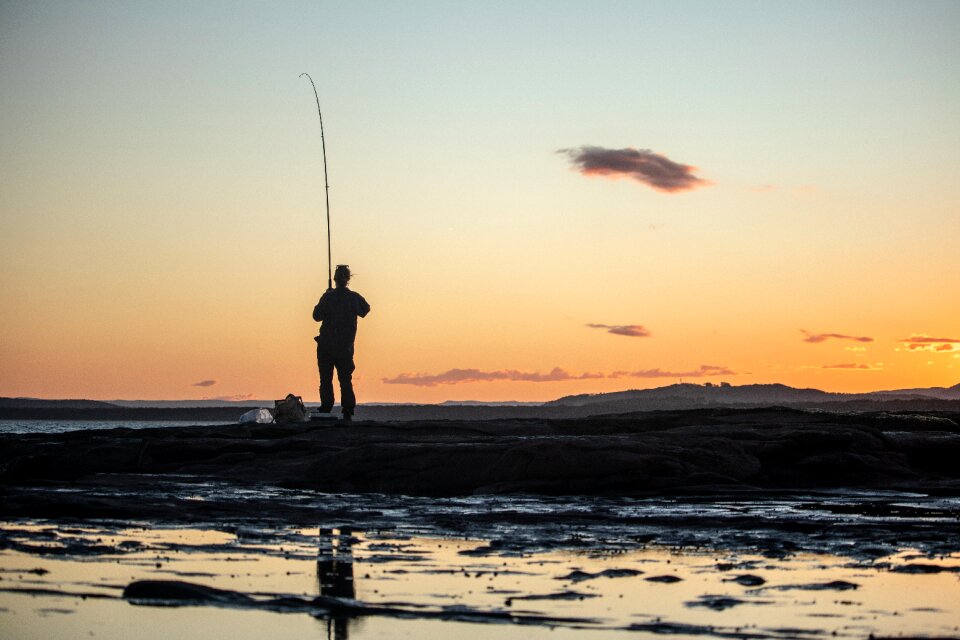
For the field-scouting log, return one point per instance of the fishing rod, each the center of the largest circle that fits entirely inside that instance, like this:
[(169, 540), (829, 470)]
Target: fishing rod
[(326, 183)]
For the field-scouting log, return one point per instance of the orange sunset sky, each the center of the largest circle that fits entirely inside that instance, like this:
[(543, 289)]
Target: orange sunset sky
[(537, 199)]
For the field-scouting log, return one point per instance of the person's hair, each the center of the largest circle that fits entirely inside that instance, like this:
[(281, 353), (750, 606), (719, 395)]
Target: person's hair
[(342, 273)]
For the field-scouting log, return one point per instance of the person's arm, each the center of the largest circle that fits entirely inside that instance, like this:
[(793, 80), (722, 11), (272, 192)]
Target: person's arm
[(362, 307), (319, 311)]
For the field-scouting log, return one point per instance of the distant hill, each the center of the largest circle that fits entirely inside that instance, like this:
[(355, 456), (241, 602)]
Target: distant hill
[(703, 394), (37, 403), (941, 393), (486, 403), (690, 396)]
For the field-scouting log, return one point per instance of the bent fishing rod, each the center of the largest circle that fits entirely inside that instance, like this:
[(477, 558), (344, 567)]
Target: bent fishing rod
[(326, 183)]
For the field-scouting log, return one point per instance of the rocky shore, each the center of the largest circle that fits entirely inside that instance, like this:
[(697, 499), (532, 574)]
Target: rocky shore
[(704, 450)]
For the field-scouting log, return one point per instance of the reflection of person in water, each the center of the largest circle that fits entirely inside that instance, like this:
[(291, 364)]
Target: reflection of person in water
[(338, 310), (335, 574)]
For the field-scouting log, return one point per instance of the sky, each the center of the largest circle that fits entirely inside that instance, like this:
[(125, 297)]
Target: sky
[(536, 198)]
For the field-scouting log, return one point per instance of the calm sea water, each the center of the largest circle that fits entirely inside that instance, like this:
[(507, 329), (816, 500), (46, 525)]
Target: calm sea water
[(60, 426)]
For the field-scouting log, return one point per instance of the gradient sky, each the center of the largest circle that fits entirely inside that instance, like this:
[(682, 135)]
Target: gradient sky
[(161, 195)]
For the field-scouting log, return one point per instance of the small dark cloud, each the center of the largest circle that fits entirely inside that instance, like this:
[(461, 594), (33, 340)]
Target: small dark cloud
[(937, 345), (822, 337), (642, 165), (205, 383), (631, 330), (929, 339)]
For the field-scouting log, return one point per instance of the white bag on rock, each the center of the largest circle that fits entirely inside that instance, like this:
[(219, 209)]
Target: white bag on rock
[(259, 416)]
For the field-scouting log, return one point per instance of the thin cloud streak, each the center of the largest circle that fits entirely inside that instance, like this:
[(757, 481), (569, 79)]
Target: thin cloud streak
[(466, 376), (703, 371), (234, 398), (822, 337), (642, 165), (630, 330), (463, 376), (852, 366), (204, 383)]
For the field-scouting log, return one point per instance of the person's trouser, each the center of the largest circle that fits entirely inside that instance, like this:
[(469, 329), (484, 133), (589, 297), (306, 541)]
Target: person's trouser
[(344, 366)]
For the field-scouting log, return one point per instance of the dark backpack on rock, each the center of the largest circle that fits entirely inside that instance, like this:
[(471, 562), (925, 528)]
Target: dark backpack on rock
[(290, 409)]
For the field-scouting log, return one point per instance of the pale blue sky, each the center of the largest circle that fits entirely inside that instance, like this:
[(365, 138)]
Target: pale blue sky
[(150, 148)]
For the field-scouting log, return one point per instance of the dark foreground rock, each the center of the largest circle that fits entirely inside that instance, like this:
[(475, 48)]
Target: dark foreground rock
[(639, 454)]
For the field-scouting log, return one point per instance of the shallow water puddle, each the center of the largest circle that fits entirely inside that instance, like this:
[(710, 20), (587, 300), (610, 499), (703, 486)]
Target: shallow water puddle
[(69, 582)]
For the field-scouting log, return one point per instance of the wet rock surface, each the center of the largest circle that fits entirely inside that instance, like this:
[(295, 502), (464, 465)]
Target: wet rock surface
[(708, 450), (583, 564), (777, 480)]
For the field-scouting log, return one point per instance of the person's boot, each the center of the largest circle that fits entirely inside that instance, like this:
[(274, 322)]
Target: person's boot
[(347, 416)]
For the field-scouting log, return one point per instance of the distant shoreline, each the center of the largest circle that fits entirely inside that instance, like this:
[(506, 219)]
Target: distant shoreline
[(403, 413), (675, 397), (123, 414)]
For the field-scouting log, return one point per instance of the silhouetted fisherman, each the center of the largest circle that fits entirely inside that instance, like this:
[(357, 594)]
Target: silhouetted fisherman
[(338, 310)]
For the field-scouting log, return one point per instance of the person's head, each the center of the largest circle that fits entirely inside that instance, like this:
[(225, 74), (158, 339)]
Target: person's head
[(341, 275)]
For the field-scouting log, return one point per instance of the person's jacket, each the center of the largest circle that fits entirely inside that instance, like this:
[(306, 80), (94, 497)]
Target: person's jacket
[(338, 310)]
